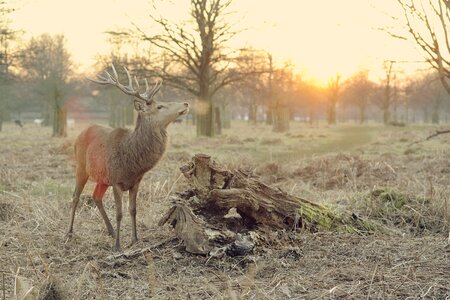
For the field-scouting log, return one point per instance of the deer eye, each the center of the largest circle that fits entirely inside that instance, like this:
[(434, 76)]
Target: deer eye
[(160, 107)]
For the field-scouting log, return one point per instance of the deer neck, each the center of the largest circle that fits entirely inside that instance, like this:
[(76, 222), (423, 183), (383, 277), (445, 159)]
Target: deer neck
[(147, 143)]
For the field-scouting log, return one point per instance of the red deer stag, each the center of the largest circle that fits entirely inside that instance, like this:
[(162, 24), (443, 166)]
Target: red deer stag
[(120, 157)]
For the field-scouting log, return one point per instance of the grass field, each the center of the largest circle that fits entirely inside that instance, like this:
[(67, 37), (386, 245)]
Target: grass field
[(370, 170)]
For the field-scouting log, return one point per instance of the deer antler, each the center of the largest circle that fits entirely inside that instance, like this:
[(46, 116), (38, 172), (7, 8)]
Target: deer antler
[(147, 96)]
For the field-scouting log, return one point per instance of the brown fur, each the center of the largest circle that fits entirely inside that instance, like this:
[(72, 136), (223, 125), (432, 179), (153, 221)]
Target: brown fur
[(120, 158)]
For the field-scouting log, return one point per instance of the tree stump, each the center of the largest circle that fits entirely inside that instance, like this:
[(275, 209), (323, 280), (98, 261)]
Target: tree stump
[(223, 204)]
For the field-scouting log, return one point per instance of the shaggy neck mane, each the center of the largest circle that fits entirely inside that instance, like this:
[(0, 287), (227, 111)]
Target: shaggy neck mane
[(145, 145)]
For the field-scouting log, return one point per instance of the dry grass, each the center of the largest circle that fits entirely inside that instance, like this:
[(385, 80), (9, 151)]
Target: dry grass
[(369, 170)]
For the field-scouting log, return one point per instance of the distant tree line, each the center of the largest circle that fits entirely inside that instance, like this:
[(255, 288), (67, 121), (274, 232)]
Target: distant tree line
[(197, 65)]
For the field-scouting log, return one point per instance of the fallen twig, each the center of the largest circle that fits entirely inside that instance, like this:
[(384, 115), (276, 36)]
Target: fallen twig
[(436, 133), (137, 252)]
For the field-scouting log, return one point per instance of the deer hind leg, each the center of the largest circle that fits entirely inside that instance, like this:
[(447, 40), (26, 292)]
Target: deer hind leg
[(99, 192), (79, 186), (132, 209), (118, 201)]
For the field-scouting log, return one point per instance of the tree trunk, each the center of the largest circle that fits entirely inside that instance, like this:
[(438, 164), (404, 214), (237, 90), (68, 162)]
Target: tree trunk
[(331, 118), (2, 114), (311, 116), (426, 115), (362, 114), (292, 114), (257, 207), (435, 117), (386, 116), (218, 120), (204, 119), (394, 108), (252, 113), (407, 112), (226, 117), (281, 118), (60, 121), (194, 117), (205, 110), (2, 110), (269, 116), (435, 113)]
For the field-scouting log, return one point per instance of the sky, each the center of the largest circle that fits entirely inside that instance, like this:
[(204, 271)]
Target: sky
[(321, 37)]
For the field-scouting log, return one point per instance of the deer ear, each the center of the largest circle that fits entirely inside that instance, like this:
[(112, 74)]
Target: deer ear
[(139, 106)]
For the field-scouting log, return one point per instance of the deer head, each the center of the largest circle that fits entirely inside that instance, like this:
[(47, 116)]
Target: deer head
[(162, 113)]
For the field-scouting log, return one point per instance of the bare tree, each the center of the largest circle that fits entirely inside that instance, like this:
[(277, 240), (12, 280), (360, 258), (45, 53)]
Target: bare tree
[(428, 22), (334, 90), (426, 94), (386, 93), (6, 36), (358, 90), (253, 88), (46, 61), (281, 93), (197, 60)]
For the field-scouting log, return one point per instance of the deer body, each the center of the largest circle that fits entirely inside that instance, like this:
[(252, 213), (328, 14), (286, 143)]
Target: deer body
[(120, 157)]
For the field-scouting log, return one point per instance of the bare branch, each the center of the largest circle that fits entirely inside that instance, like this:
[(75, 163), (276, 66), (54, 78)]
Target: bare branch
[(430, 43)]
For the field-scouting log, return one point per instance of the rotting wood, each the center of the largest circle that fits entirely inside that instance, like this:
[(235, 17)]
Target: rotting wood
[(215, 190), (189, 227)]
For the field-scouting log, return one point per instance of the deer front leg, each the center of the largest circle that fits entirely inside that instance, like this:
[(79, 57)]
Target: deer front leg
[(99, 192), (132, 209), (81, 182), (118, 200)]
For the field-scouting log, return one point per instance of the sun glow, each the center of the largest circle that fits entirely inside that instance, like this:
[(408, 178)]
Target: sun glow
[(321, 38)]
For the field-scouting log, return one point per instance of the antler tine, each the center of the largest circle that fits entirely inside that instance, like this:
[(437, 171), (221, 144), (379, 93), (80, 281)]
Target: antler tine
[(147, 93), (116, 76), (110, 79), (102, 79), (155, 89), (130, 82), (128, 89)]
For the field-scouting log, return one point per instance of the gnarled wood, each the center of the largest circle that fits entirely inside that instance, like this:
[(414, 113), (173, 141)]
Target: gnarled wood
[(188, 228), (215, 191)]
